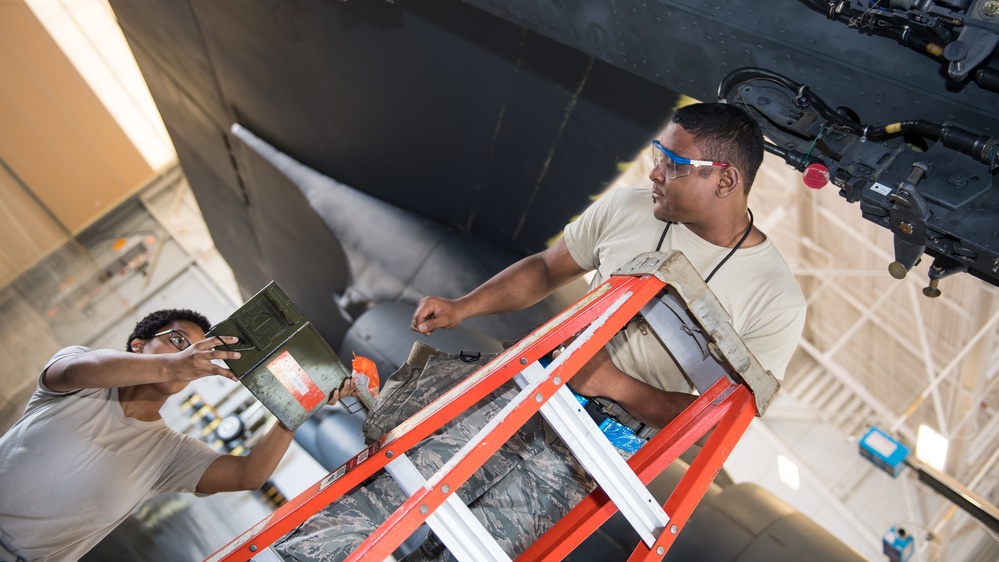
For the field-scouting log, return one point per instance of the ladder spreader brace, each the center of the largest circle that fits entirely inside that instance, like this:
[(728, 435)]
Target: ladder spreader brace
[(695, 328)]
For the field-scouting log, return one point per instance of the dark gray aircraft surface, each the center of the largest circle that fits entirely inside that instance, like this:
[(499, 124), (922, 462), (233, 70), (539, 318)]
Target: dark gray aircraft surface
[(366, 153), (498, 121)]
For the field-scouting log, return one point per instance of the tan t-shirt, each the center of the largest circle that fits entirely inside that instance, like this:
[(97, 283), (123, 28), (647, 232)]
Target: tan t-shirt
[(755, 285), (74, 467)]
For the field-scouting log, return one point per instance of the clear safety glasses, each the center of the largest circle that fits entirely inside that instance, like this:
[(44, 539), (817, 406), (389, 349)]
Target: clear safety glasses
[(673, 166)]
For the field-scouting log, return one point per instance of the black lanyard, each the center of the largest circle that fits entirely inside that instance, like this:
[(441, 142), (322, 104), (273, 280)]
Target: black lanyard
[(725, 259)]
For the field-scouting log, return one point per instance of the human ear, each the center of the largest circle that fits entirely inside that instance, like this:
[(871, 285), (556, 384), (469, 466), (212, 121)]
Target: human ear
[(729, 181), (137, 345)]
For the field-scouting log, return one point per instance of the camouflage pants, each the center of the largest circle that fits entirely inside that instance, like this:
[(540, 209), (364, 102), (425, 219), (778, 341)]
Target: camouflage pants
[(518, 494)]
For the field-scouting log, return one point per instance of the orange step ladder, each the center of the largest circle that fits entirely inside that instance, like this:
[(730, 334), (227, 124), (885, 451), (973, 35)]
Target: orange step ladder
[(676, 303)]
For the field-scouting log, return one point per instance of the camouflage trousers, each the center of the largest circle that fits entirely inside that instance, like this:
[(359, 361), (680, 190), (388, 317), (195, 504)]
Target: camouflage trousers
[(518, 494)]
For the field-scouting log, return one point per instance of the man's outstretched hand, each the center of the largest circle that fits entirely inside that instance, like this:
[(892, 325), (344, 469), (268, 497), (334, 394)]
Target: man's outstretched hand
[(195, 362), (433, 313)]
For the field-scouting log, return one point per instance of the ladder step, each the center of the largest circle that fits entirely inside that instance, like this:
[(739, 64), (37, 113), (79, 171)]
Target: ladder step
[(592, 449), (453, 522)]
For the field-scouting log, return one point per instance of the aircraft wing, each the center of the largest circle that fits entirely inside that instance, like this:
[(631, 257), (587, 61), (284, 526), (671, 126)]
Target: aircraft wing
[(439, 108)]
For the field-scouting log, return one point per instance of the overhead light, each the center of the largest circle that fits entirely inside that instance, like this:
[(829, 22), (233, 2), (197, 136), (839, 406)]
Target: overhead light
[(88, 34), (788, 472), (931, 447)]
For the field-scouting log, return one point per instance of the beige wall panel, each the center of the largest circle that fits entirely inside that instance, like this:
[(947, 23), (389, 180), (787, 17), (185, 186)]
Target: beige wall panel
[(54, 132), (28, 233)]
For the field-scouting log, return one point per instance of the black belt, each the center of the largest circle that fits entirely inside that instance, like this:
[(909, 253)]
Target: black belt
[(602, 408)]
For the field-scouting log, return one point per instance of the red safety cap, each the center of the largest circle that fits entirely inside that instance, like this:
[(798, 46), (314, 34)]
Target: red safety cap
[(816, 176)]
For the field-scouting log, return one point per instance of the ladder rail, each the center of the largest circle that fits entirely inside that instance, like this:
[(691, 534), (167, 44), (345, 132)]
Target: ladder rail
[(739, 412), (408, 517)]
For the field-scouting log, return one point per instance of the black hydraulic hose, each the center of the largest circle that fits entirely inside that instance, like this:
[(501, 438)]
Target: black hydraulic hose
[(747, 73), (923, 128), (803, 94), (988, 78), (775, 150), (793, 158), (922, 45), (979, 147), (884, 22), (797, 160)]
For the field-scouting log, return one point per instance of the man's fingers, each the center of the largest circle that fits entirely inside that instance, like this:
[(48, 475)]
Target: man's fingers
[(427, 323), (349, 388), (420, 317), (209, 343), (215, 345), (219, 354), (420, 320), (432, 313), (223, 372)]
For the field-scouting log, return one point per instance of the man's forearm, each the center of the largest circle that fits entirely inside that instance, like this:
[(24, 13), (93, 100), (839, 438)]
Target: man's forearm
[(517, 287), (657, 408), (648, 404), (105, 368), (263, 459), (524, 283), (250, 472)]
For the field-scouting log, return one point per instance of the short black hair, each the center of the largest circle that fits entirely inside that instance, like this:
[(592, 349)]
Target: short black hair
[(155, 321), (724, 133)]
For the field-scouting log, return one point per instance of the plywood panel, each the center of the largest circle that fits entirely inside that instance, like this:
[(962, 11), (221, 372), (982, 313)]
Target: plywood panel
[(54, 132)]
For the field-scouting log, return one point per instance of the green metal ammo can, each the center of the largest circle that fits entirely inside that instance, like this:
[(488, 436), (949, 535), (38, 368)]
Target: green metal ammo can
[(283, 360)]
